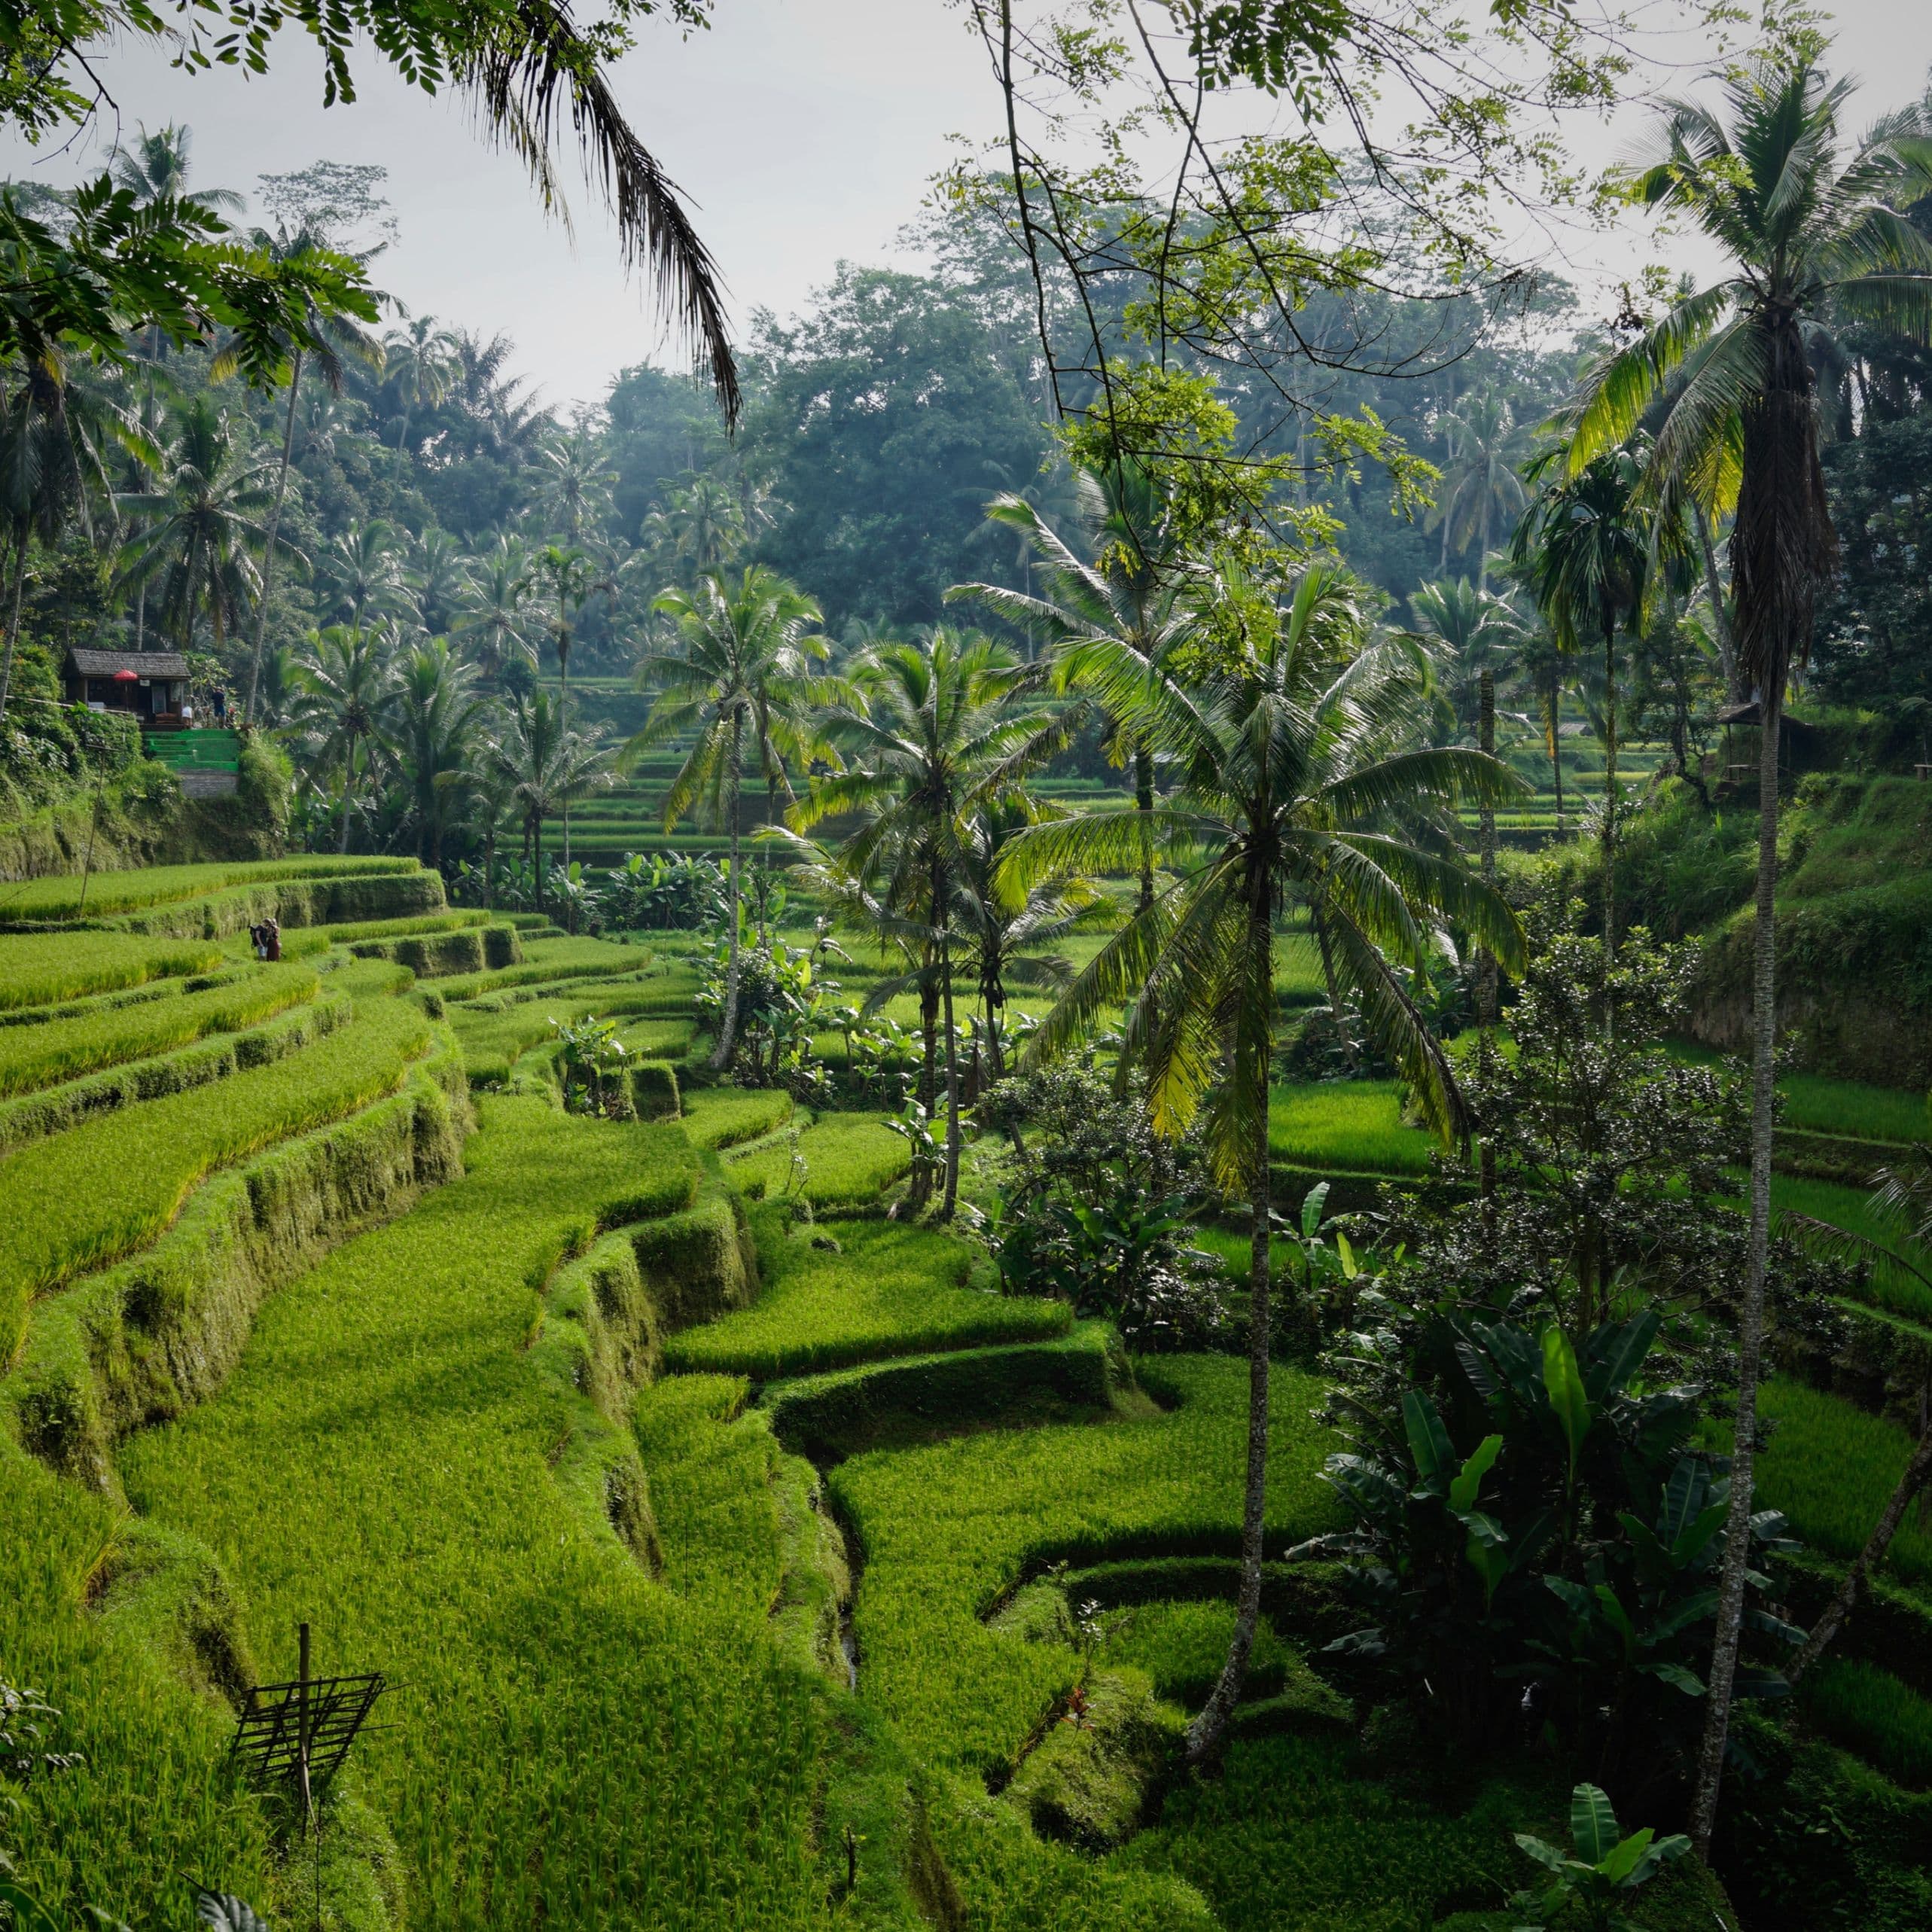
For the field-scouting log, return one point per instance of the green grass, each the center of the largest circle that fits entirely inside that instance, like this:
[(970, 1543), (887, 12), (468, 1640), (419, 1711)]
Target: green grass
[(1830, 1467), (40, 969), (1353, 1127), (1823, 1106), (726, 1117), (891, 1291), (35, 1056), (551, 959), (59, 897), (575, 1745), (710, 1464), (944, 1529), (103, 1189), (1850, 1207), (850, 1160), (1869, 1711)]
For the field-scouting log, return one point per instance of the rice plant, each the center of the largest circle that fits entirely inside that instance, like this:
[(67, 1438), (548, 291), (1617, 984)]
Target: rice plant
[(1351, 1126), (59, 897), (40, 969), (846, 1162), (36, 1057), (1868, 1711), (885, 1290)]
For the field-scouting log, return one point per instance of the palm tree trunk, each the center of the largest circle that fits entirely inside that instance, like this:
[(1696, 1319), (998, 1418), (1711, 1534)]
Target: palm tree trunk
[(535, 835), (727, 1035), (1750, 1325), (1205, 1732), (1143, 804), (563, 725), (1556, 745), (1918, 1470), (928, 1086), (1486, 987), (1720, 618), (951, 1196), (1610, 789), (348, 791), (14, 596), (1483, 543), (274, 524)]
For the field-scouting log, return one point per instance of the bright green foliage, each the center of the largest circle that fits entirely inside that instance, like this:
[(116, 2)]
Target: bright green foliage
[(1821, 1105), (37, 1056), (1181, 1647), (1593, 1880), (1859, 1706), (1353, 1127), (577, 1745), (891, 1291), (545, 959), (726, 1117), (946, 1529), (710, 1462), (79, 1200), (1301, 1834), (1830, 1466), (850, 1160), (59, 896), (37, 969)]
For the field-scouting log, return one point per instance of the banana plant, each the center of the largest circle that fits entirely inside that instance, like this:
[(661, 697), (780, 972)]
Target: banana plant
[(1590, 1883)]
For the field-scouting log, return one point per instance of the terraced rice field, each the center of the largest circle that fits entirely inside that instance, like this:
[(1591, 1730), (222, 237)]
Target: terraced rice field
[(738, 1558)]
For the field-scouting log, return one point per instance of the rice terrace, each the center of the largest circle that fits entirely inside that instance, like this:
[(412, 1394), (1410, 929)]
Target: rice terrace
[(966, 966)]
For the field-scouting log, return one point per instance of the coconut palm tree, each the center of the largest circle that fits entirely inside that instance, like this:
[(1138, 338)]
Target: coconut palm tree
[(573, 485), (157, 168), (497, 623), (739, 676), (1583, 552), (361, 576), (1475, 628), (543, 765), (345, 694), (421, 363), (1286, 787), (432, 729), (1139, 592), (1482, 492), (932, 737), (572, 579), (436, 574), (56, 428), (201, 533), (1811, 226), (699, 526)]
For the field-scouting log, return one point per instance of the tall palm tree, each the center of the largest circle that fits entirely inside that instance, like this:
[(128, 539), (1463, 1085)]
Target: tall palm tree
[(434, 718), (1474, 627), (1286, 787), (158, 166), (436, 574), (573, 485), (1813, 235), (421, 363), (700, 525), (55, 431), (1137, 592), (1583, 552), (1482, 492), (361, 576), (333, 335), (572, 579), (201, 533), (345, 694), (497, 621), (932, 738), (543, 765), (1539, 668), (739, 677)]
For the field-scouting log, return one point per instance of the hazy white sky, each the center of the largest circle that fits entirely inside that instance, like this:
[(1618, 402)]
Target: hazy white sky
[(801, 131)]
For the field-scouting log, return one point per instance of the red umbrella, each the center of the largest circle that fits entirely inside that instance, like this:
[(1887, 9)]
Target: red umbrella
[(127, 677)]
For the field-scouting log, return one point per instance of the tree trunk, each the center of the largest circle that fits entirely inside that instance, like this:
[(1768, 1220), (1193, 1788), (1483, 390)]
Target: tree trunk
[(14, 619), (1556, 745), (537, 854), (1143, 804), (1917, 1470), (727, 1036), (1483, 544), (274, 524), (347, 791), (563, 738), (1610, 790), (1751, 1334), (928, 1087), (950, 1197), (1486, 986), (1720, 617), (1205, 1732)]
